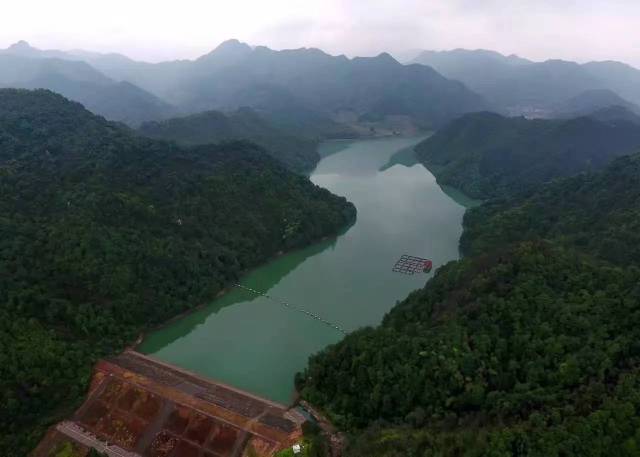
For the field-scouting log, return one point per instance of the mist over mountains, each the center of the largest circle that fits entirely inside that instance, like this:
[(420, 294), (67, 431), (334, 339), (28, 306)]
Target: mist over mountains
[(22, 66), (136, 191), (349, 91), (304, 88), (520, 86)]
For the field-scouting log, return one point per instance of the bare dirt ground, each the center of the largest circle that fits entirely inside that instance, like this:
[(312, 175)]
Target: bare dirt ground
[(139, 406)]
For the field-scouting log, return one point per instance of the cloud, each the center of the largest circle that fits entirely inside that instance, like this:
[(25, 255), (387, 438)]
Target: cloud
[(571, 29)]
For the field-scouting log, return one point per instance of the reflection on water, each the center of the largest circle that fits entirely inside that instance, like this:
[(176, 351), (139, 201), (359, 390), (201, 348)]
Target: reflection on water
[(263, 279), (460, 198), (333, 147), (258, 345), (406, 157)]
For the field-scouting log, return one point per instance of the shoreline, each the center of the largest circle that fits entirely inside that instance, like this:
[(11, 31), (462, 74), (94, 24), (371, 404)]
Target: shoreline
[(135, 346), (455, 194), (213, 304)]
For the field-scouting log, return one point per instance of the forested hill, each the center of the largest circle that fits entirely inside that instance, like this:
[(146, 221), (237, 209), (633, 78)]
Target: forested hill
[(616, 114), (591, 101), (598, 213), (487, 155), (298, 153), (527, 347), (103, 233), (531, 351)]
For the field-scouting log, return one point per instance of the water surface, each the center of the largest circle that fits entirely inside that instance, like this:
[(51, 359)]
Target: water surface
[(257, 345)]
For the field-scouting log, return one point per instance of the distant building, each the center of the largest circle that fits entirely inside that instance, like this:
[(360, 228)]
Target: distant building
[(297, 449)]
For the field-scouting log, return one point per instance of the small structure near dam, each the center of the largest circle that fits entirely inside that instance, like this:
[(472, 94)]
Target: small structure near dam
[(138, 406)]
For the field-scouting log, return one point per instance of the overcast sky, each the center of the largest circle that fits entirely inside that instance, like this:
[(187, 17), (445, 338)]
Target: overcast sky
[(579, 30)]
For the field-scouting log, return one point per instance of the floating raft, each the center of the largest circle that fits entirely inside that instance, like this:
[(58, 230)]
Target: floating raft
[(409, 265)]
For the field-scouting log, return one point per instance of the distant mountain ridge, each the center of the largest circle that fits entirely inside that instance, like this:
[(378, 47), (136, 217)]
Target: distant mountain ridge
[(591, 101), (521, 86), (22, 66), (369, 92), (369, 89), (329, 96), (478, 69), (616, 114)]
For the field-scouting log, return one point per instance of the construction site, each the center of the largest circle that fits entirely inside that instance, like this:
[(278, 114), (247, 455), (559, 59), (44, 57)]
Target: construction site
[(139, 406)]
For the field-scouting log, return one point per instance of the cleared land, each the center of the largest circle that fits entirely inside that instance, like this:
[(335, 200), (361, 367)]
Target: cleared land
[(140, 406)]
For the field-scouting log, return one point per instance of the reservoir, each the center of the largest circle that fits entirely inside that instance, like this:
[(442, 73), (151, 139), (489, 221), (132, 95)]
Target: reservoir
[(258, 345)]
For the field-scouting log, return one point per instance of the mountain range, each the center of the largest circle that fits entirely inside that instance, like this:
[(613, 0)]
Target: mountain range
[(520, 86), (368, 92), (24, 67), (236, 74), (322, 95)]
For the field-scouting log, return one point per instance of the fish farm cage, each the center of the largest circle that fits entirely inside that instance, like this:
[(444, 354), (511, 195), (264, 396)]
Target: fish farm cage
[(409, 265)]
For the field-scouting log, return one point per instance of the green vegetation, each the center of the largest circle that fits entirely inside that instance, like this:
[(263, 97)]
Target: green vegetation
[(66, 449), (313, 444), (103, 233), (94, 453), (598, 213), (299, 154), (306, 451), (486, 155), (528, 347)]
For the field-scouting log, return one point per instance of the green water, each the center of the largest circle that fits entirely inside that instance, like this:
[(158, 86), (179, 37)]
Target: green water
[(258, 345)]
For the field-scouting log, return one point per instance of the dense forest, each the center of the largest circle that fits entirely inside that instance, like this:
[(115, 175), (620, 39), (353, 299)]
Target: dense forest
[(298, 153), (527, 347), (487, 155), (598, 213), (104, 233)]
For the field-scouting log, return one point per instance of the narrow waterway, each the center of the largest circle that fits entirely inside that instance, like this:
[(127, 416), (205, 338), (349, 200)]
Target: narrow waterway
[(258, 345)]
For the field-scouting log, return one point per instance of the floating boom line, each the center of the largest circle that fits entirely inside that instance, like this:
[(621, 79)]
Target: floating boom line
[(294, 307)]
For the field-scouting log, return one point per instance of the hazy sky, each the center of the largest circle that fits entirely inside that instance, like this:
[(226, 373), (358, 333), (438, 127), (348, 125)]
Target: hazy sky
[(156, 30)]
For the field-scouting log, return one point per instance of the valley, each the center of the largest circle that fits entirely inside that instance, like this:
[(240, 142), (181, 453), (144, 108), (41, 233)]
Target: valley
[(347, 280), (361, 229)]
